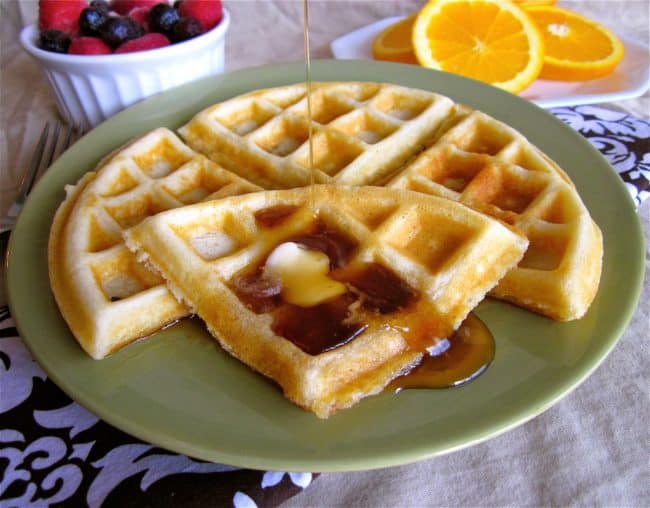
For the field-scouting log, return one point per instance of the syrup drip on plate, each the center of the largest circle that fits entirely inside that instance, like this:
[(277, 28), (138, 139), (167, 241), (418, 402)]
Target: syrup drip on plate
[(453, 361)]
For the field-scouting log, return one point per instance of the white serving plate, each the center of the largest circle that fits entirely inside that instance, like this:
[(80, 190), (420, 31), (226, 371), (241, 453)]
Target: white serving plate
[(630, 79)]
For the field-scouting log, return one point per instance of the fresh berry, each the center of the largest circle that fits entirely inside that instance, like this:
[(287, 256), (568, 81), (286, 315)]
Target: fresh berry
[(89, 46), (54, 40), (91, 19), (162, 18), (100, 5), (148, 41), (125, 6), (141, 16), (186, 28), (62, 15), (117, 31), (207, 12), (98, 27)]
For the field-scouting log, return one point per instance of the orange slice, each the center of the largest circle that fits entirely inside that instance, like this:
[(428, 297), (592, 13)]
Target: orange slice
[(530, 3), (394, 43), (577, 48), (489, 40)]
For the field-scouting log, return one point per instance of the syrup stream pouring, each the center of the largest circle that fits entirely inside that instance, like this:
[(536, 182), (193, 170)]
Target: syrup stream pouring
[(305, 24)]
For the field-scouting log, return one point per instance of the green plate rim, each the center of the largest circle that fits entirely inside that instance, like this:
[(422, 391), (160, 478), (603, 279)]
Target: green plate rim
[(499, 104)]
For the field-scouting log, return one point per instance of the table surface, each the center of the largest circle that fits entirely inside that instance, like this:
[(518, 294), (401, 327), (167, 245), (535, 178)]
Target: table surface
[(591, 448)]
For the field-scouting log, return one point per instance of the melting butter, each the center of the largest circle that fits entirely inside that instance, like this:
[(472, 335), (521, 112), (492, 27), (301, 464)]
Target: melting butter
[(302, 273)]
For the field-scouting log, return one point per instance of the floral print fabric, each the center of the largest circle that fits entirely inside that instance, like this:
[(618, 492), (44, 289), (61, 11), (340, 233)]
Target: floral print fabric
[(53, 451), (624, 140)]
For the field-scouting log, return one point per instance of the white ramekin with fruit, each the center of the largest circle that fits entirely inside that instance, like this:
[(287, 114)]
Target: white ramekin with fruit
[(102, 56)]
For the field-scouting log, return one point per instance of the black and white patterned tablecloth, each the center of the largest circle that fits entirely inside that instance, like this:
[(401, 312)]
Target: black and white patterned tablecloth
[(623, 139), (54, 452)]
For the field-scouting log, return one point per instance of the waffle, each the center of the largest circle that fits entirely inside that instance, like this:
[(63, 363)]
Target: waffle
[(361, 132), (107, 298), (405, 268), (380, 134), (492, 168)]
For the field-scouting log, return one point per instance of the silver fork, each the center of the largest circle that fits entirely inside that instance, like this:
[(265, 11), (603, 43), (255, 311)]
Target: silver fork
[(47, 151)]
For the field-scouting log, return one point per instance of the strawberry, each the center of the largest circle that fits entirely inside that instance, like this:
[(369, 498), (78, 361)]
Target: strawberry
[(123, 7), (89, 46), (62, 15), (148, 41), (207, 12)]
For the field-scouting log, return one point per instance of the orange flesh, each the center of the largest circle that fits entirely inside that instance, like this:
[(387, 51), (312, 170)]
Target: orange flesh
[(498, 37)]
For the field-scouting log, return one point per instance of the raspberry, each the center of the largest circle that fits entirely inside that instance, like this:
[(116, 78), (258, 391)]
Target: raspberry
[(89, 46), (61, 15), (141, 16), (148, 41), (123, 7), (207, 12)]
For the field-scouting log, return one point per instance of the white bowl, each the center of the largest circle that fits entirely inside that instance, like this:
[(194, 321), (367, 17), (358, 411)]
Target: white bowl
[(91, 88)]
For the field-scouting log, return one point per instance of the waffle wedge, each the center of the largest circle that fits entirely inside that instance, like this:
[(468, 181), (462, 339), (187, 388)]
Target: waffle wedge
[(381, 134), (401, 271), (107, 298), (492, 168)]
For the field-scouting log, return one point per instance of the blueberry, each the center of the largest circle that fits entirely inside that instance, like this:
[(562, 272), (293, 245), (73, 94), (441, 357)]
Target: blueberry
[(100, 5), (162, 18), (54, 40), (116, 31), (177, 4), (91, 19), (186, 28)]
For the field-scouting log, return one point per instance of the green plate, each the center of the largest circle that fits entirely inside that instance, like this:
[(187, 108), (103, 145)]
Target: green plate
[(180, 391)]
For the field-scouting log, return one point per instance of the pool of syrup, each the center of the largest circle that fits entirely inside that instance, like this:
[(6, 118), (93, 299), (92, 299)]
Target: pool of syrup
[(453, 361)]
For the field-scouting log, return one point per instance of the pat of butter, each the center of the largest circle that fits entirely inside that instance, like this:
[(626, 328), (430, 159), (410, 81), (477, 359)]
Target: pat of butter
[(303, 275)]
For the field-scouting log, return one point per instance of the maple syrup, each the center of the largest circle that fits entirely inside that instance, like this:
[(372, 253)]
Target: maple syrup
[(338, 247), (318, 329), (262, 294), (453, 361), (381, 290), (305, 27), (273, 216), (258, 292), (380, 297)]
